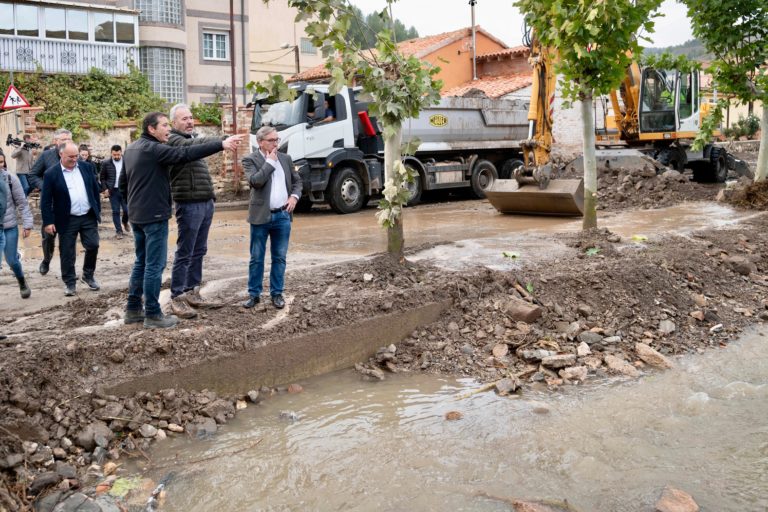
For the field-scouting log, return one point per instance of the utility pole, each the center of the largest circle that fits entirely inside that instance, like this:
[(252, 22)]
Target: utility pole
[(474, 41), (233, 95)]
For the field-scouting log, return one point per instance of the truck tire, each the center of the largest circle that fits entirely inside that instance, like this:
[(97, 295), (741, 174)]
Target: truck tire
[(416, 188), (508, 168), (672, 157), (483, 176), (346, 193), (717, 158)]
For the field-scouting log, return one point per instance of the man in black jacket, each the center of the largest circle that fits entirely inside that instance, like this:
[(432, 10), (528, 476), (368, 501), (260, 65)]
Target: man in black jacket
[(48, 159), (110, 179), (193, 197), (146, 185)]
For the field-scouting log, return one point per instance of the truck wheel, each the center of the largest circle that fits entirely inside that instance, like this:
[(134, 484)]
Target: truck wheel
[(346, 191), (508, 169), (415, 189), (719, 166), (483, 176)]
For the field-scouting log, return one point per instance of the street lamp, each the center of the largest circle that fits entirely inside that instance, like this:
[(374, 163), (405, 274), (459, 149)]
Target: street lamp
[(295, 47)]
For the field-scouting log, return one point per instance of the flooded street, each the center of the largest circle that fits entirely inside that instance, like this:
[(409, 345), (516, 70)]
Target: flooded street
[(386, 446)]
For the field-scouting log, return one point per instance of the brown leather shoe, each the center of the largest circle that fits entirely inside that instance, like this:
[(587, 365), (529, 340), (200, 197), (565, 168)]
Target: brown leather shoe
[(196, 300), (180, 308)]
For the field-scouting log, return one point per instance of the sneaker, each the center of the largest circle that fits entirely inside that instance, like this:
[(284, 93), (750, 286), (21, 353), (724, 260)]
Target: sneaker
[(195, 300), (91, 282), (133, 316), (181, 308), (160, 321), (70, 291)]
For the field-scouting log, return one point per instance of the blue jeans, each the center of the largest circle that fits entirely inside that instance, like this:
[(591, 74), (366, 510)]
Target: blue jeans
[(194, 222), (24, 183), (11, 250), (2, 245), (116, 201), (278, 229), (151, 246)]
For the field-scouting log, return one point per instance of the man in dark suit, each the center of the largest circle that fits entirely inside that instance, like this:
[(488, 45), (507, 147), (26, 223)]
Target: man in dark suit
[(48, 159), (110, 181), (275, 190), (70, 206)]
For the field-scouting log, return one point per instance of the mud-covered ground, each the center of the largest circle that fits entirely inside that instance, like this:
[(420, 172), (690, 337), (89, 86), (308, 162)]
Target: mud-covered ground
[(605, 307)]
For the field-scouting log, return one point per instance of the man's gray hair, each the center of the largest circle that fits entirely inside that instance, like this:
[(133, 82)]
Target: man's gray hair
[(61, 147), (176, 107), (60, 132), (263, 132)]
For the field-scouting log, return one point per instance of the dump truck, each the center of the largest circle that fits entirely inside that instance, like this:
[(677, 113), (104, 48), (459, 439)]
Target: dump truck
[(463, 144)]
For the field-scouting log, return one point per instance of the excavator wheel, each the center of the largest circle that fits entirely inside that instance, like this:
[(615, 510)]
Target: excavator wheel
[(672, 157), (714, 171), (484, 175)]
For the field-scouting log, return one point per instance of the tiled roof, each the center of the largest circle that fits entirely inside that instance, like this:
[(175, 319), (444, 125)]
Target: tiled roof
[(493, 86), (511, 52), (419, 47)]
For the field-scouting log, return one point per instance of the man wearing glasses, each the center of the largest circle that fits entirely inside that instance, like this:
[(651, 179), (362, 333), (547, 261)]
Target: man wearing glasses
[(275, 190)]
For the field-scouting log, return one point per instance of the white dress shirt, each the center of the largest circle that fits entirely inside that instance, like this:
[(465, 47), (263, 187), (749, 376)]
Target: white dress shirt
[(78, 196), (118, 169), (278, 196)]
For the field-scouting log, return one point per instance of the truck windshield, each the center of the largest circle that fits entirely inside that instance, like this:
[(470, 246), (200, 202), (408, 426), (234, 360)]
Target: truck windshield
[(286, 113)]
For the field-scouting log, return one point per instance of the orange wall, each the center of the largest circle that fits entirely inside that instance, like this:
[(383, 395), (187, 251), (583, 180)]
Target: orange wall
[(458, 68)]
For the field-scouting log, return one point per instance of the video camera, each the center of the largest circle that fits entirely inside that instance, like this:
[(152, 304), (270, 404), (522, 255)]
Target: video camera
[(16, 142)]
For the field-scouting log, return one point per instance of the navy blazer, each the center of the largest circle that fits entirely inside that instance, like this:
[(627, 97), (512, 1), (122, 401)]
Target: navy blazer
[(55, 204)]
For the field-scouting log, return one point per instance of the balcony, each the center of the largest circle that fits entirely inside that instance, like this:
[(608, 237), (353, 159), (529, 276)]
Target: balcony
[(70, 57)]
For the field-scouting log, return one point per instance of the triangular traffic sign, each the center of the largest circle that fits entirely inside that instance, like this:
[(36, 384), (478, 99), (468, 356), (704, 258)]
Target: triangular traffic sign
[(13, 99)]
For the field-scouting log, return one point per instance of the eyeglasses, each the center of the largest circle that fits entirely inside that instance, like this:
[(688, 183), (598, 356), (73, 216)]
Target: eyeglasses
[(272, 140)]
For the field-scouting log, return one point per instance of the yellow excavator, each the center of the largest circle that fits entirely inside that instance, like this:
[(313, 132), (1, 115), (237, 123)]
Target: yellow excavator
[(654, 115)]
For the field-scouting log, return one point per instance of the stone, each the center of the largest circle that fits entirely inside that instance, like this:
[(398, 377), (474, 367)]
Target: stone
[(204, 427), (610, 340), (583, 349), (453, 415), (218, 407), (619, 365), (59, 453), (11, 461), (107, 504), (535, 354), (239, 405), (453, 326), (253, 396), (161, 435), (508, 385), (467, 349), (99, 455), (86, 437), (173, 427), (44, 480), (667, 327), (77, 502), (559, 361), (117, 356), (500, 350), (295, 388), (367, 278), (584, 310), (110, 411), (698, 315), (740, 265), (652, 357), (574, 373), (589, 337), (699, 299), (675, 500), (147, 431), (521, 311), (65, 470)]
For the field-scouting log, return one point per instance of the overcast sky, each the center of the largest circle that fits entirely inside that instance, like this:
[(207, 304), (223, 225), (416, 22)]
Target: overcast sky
[(504, 21)]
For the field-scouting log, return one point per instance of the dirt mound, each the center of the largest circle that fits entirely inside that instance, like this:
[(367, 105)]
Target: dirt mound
[(750, 195)]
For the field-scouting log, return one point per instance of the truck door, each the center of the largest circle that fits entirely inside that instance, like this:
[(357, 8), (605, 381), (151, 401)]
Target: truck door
[(328, 126), (688, 102)]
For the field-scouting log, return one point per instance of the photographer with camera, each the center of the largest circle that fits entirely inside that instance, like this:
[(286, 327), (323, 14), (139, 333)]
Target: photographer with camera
[(24, 157)]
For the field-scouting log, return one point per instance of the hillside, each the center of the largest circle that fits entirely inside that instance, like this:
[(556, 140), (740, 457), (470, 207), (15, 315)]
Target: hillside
[(693, 49)]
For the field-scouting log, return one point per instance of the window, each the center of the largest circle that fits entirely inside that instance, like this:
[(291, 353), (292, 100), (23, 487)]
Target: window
[(124, 29), (77, 25), (26, 21), (6, 19), (104, 27), (215, 46), (307, 47), (160, 11), (165, 69), (55, 23)]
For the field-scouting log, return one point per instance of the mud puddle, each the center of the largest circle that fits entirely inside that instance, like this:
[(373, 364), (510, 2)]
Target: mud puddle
[(344, 444)]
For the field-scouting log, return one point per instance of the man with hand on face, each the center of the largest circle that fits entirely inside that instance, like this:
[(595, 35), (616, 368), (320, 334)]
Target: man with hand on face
[(275, 190), (146, 185), (193, 197), (70, 206), (110, 178), (49, 158)]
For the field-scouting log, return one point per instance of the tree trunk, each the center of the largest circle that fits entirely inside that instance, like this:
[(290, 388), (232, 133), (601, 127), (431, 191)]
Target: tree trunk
[(590, 164), (761, 171), (395, 238)]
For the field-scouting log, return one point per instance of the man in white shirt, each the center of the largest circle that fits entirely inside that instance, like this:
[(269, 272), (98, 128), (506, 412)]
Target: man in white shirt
[(110, 179), (275, 190), (70, 206)]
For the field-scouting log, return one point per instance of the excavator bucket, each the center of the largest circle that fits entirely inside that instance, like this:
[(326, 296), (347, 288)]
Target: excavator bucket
[(561, 197)]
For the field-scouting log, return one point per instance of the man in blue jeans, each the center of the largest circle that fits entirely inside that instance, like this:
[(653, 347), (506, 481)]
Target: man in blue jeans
[(275, 190), (145, 183), (3, 204)]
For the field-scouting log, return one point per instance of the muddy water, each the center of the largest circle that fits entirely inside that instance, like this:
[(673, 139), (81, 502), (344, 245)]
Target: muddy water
[(386, 446)]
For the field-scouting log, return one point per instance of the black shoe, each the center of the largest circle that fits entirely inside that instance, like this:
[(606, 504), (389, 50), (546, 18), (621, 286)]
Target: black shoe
[(251, 302), (70, 290), (91, 282), (44, 267), (278, 301), (24, 288)]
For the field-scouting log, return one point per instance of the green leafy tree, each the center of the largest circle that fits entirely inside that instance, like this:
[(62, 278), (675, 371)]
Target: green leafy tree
[(593, 41), (736, 33), (400, 87), (97, 98)]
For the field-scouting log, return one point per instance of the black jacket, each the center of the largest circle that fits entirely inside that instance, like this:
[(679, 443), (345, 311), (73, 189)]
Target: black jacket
[(55, 203), (108, 173), (191, 182), (45, 161), (145, 180)]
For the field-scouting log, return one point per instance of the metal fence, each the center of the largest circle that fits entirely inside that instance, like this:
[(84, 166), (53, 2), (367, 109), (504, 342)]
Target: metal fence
[(26, 54)]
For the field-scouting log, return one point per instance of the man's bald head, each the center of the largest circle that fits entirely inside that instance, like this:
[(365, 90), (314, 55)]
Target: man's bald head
[(68, 153)]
